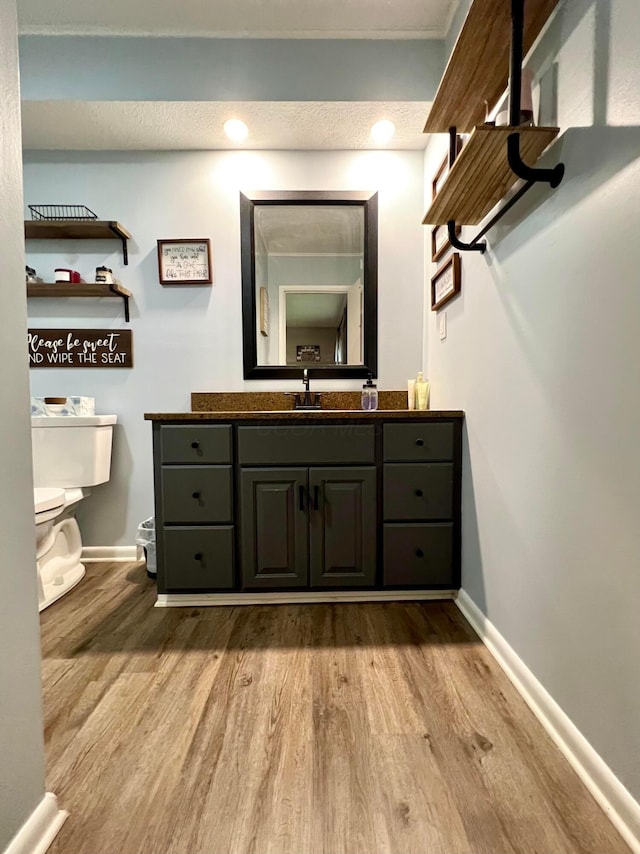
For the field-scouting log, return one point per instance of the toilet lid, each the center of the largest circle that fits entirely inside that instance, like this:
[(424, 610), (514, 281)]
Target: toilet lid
[(47, 498)]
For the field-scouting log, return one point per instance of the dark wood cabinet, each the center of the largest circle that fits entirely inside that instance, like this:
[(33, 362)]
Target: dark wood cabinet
[(342, 512), (274, 528), (308, 527), (270, 504)]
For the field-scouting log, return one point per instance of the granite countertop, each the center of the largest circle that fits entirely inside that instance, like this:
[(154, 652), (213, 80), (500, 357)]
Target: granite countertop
[(307, 415)]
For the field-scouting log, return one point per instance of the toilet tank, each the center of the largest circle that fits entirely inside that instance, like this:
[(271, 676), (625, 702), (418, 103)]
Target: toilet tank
[(71, 450)]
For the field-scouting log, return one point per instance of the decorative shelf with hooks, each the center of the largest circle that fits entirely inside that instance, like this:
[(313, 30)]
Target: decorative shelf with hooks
[(493, 158)]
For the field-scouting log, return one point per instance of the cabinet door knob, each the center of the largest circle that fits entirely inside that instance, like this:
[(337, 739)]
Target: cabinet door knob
[(419, 493), (198, 556), (419, 442), (195, 445), (195, 495), (419, 553)]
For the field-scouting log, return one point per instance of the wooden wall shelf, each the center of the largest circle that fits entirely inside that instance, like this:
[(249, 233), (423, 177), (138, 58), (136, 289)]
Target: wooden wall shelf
[(91, 229), (83, 289), (478, 69), (481, 175)]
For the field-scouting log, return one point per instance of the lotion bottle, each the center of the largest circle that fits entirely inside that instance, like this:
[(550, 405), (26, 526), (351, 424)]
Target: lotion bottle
[(422, 392)]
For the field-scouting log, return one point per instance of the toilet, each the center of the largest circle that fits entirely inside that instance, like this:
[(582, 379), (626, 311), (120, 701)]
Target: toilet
[(70, 455)]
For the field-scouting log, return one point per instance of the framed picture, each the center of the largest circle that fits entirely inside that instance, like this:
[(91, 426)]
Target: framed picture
[(446, 282), (443, 170), (307, 353), (440, 240), (185, 262), (264, 312)]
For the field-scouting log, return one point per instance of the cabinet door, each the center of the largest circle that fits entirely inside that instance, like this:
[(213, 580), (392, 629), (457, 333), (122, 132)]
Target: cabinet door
[(343, 526), (274, 527)]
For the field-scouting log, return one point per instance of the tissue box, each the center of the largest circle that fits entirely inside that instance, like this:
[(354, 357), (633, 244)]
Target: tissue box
[(73, 406)]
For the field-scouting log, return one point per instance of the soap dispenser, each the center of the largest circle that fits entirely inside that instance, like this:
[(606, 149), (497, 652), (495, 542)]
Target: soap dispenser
[(369, 394)]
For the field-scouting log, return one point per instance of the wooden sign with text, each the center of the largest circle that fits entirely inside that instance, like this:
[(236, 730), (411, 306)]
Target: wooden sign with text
[(80, 348)]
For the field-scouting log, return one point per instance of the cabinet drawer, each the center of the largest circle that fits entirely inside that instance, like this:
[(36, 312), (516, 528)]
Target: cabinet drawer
[(418, 555), (418, 491), (419, 442), (198, 558), (197, 443), (196, 494), (351, 444)]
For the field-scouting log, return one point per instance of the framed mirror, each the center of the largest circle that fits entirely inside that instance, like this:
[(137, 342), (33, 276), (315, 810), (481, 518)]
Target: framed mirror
[(309, 284)]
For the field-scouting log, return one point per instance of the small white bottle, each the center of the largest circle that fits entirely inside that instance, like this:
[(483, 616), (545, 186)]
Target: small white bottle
[(422, 392)]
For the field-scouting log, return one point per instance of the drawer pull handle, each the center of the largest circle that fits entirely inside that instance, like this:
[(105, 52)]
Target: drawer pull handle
[(198, 556), (419, 493), (419, 553), (419, 442), (195, 495), (316, 497), (195, 445), (301, 498)]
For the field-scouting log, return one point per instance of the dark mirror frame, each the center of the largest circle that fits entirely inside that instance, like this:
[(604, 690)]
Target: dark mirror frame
[(368, 201)]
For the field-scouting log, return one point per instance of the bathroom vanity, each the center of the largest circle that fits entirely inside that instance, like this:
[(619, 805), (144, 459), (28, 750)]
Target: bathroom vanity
[(306, 506)]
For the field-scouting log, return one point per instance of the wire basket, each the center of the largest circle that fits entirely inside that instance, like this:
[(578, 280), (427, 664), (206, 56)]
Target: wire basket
[(61, 212)]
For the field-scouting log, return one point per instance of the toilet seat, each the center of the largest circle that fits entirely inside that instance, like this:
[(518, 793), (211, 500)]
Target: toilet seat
[(47, 502)]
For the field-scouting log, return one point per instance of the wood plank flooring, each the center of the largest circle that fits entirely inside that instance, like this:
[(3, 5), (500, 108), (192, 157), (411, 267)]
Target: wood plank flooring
[(307, 729)]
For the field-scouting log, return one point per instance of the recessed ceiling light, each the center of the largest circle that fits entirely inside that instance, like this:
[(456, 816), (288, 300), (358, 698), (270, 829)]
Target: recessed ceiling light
[(236, 130), (383, 130)]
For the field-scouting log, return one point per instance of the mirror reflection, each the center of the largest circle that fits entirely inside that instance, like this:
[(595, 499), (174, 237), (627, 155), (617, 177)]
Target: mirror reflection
[(309, 295), (309, 263)]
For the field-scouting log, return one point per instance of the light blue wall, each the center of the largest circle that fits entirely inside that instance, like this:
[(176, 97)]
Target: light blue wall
[(542, 353), (189, 338), (88, 68)]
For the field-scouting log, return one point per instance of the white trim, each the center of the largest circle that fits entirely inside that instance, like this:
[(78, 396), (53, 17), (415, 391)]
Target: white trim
[(426, 33), (199, 600), (119, 554), (616, 801), (40, 829)]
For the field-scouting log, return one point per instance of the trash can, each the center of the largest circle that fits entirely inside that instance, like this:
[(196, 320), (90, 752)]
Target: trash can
[(146, 538)]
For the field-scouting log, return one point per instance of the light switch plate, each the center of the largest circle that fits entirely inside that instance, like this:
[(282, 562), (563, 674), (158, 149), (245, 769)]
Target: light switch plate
[(443, 325)]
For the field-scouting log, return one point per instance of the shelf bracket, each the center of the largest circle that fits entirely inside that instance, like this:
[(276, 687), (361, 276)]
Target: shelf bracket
[(553, 177), (125, 300), (123, 240), (475, 245)]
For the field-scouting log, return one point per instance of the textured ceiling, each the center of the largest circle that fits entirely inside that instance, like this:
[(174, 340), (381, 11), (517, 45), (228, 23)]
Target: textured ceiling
[(241, 18), (148, 125), (310, 229)]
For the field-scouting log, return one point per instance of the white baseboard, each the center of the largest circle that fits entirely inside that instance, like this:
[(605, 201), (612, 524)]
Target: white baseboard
[(200, 600), (120, 554), (40, 829), (616, 801)]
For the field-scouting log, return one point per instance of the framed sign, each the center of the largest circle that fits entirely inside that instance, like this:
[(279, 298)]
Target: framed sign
[(185, 262), (440, 240), (307, 353), (80, 348), (446, 282)]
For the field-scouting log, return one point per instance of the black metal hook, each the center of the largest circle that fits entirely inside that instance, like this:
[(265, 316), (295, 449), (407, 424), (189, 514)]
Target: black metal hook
[(553, 177), (480, 246)]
